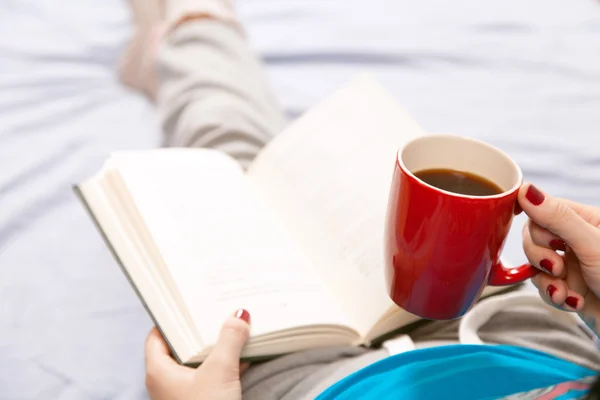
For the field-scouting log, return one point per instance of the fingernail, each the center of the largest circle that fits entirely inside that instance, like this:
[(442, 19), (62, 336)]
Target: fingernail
[(551, 289), (243, 315), (572, 302), (556, 244), (547, 265), (518, 210), (534, 196)]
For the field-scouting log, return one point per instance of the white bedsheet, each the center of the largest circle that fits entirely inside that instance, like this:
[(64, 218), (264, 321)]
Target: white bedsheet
[(522, 75)]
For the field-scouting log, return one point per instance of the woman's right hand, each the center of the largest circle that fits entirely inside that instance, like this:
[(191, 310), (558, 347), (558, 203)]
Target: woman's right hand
[(571, 278)]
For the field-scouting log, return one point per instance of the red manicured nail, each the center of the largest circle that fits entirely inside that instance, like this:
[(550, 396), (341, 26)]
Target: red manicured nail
[(243, 315), (572, 302), (551, 289), (558, 245), (547, 265), (534, 196), (518, 210)]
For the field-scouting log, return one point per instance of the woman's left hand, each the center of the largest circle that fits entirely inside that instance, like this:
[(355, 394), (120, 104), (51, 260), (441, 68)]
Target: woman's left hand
[(571, 281), (218, 378)]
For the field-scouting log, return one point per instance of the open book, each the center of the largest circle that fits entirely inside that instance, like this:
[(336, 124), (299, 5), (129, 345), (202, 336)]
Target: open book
[(297, 239)]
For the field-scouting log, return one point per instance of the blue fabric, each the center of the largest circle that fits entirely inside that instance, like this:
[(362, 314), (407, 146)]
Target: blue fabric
[(457, 372)]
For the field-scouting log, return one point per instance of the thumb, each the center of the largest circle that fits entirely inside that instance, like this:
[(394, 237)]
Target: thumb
[(224, 359), (556, 216)]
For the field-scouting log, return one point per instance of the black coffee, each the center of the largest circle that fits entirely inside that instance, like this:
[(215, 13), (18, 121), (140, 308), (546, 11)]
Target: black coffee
[(459, 182)]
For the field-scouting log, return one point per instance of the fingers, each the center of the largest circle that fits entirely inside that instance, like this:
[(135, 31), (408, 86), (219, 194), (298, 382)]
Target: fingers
[(590, 313), (588, 213), (551, 289), (558, 217), (555, 292), (544, 238), (541, 257), (225, 356), (164, 377), (157, 352), (575, 280), (243, 368)]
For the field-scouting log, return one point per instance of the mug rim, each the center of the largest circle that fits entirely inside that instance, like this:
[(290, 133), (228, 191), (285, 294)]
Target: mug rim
[(505, 193)]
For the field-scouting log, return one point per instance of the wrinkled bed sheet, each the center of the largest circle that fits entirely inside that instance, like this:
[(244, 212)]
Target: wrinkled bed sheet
[(524, 75)]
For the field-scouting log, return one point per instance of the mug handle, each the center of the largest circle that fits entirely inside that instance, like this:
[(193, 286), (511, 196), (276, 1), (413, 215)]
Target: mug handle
[(504, 275)]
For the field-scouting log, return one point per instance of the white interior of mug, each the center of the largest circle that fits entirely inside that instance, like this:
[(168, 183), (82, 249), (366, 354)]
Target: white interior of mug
[(461, 154)]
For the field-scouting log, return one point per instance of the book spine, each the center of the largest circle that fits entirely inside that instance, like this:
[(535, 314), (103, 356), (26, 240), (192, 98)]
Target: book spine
[(84, 202)]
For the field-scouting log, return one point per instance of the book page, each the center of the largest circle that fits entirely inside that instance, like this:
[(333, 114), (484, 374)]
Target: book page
[(328, 176), (223, 248)]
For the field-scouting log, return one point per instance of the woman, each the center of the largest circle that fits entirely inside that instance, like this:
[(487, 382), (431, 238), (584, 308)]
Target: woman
[(204, 56), (572, 286)]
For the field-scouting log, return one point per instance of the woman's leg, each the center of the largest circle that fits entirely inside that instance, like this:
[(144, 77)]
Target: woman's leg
[(212, 89), (531, 326)]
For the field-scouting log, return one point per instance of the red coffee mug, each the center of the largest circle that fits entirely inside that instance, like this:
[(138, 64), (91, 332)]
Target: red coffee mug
[(443, 248)]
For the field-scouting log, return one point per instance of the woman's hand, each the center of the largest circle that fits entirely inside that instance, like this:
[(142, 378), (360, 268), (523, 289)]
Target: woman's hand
[(217, 378), (571, 280)]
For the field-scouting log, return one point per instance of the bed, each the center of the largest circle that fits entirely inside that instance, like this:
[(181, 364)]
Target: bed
[(522, 75)]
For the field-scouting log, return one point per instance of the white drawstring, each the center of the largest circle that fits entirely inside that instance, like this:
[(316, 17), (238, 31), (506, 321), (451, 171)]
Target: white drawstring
[(483, 312)]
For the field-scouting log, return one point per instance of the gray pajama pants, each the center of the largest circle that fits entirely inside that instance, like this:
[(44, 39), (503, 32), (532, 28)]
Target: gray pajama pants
[(213, 93)]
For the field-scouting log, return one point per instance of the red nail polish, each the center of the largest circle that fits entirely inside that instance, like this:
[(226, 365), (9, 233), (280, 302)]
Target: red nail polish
[(572, 302), (556, 244), (518, 210), (547, 265), (534, 196), (243, 315), (551, 289)]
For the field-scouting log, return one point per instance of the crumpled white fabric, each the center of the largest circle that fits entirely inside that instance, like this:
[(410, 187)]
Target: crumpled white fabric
[(483, 311)]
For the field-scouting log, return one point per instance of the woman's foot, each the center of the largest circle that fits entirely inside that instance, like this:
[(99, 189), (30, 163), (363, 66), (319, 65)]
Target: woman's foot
[(153, 18), (137, 66)]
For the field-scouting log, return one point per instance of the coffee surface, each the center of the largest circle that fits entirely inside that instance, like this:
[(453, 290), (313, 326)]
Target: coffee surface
[(459, 182)]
